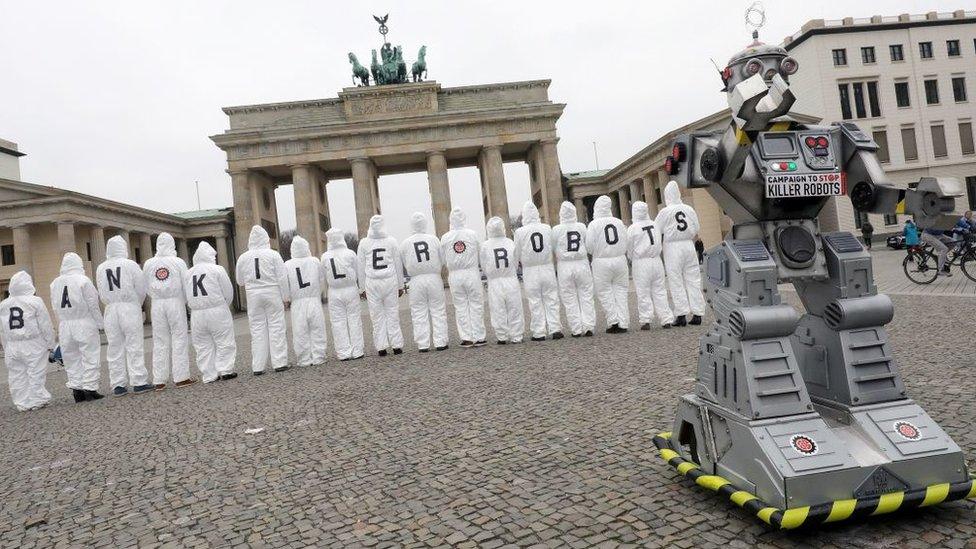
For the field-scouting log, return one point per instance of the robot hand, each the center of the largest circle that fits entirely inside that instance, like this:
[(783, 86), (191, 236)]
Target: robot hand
[(756, 104), (933, 202)]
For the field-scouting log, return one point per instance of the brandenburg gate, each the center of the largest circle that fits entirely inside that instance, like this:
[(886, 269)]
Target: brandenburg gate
[(376, 130)]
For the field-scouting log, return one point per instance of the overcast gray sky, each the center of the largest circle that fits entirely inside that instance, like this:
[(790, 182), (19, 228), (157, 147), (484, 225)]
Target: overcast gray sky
[(118, 98)]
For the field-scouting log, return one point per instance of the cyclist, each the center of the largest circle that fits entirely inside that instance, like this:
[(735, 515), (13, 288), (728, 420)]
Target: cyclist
[(911, 233), (938, 240)]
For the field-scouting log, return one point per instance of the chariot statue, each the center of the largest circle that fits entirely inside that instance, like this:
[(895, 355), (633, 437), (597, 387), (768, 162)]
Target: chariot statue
[(389, 67)]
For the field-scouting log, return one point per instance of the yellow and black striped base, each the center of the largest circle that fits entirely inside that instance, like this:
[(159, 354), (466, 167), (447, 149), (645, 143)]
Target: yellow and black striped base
[(788, 519)]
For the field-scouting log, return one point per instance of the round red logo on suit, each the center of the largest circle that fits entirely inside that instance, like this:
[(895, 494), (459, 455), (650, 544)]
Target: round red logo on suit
[(907, 431), (803, 444), (459, 247), (162, 273)]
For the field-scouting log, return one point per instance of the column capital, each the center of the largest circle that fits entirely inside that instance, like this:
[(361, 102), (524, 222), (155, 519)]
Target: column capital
[(549, 140), (299, 165), (360, 159), (492, 147), (435, 152), (237, 172)]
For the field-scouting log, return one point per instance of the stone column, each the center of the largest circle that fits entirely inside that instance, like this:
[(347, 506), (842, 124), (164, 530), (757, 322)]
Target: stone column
[(493, 174), (440, 191), (245, 210), (22, 249), (223, 257), (306, 198), (649, 181), (538, 178), (362, 183), (624, 199), (320, 181), (580, 210), (66, 238), (553, 179), (182, 249), (98, 245), (145, 246), (636, 190)]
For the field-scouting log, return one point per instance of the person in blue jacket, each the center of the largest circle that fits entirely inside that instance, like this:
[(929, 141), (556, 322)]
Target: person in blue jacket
[(911, 233)]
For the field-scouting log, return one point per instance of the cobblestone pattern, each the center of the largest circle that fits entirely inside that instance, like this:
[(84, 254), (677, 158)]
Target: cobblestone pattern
[(542, 444)]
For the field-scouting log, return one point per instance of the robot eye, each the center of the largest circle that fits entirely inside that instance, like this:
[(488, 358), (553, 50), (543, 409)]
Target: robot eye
[(770, 74), (752, 68), (788, 66)]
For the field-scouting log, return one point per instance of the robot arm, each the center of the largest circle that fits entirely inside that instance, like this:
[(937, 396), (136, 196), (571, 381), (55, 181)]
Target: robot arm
[(755, 103)]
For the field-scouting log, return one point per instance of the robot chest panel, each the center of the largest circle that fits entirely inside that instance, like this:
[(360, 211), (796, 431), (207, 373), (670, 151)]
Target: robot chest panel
[(798, 164)]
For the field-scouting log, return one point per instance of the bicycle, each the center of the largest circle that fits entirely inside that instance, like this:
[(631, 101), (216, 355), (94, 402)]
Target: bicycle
[(921, 264)]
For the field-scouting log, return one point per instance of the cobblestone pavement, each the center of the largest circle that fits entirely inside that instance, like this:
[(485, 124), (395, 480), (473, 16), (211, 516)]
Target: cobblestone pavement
[(542, 443), (891, 278)]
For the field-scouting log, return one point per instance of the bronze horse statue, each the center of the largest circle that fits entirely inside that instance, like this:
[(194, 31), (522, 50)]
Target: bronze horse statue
[(358, 71), (420, 65)]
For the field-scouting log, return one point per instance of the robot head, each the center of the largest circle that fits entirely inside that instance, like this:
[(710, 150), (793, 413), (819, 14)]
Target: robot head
[(758, 58)]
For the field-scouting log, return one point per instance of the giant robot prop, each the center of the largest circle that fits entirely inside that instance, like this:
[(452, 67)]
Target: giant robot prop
[(802, 418)]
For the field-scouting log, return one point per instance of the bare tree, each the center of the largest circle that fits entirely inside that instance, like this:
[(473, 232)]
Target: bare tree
[(352, 241), (284, 243)]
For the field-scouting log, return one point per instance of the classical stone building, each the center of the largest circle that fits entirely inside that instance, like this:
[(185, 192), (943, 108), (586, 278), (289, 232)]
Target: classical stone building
[(372, 131), (39, 224)]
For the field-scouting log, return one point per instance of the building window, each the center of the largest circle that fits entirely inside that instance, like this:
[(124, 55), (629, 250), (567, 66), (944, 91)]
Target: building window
[(270, 227), (966, 137), (657, 196), (873, 99), (859, 100), (138, 255), (845, 102), (952, 48), (939, 142), (901, 94), (925, 50), (324, 224), (867, 55), (897, 52), (321, 191), (959, 88), (859, 219), (908, 144), (88, 250), (971, 191), (840, 57), (881, 138), (932, 92), (266, 198), (890, 219), (7, 256)]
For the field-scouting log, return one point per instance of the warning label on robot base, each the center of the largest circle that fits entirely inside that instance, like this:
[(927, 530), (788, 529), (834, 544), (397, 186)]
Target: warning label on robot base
[(804, 185)]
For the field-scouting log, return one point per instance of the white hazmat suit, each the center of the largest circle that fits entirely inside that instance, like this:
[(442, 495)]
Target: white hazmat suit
[(606, 240), (459, 249), (533, 244), (420, 254), (209, 293), (573, 271), (644, 250), (382, 278), (122, 287), (261, 271), (341, 268), (27, 337), (74, 301), (305, 291), (498, 260), (679, 228), (164, 285)]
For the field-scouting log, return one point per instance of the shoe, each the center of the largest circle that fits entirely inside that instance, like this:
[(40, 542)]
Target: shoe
[(516, 342), (502, 342), (282, 369), (666, 326), (424, 350), (557, 335), (646, 327), (621, 330), (480, 343), (444, 348), (613, 328), (382, 352), (225, 377), (695, 320), (79, 395), (589, 333), (185, 382), (258, 373), (120, 391), (577, 335), (466, 343), (397, 351), (93, 395), (139, 389), (159, 386), (538, 339), (680, 321)]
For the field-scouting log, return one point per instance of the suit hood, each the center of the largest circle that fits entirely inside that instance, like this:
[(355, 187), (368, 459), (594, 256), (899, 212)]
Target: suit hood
[(377, 227), (458, 219), (639, 211), (672, 194), (336, 239), (567, 213), (602, 207), (117, 248), (205, 254), (71, 264), (165, 245), (299, 247), (530, 214), (21, 284), (259, 239), (495, 228), (418, 223)]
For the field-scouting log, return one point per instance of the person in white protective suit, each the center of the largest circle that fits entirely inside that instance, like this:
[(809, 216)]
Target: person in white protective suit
[(498, 260), (341, 268), (261, 271), (122, 287), (305, 292), (573, 271), (606, 240), (679, 227), (459, 250), (74, 301), (209, 293), (644, 251), (533, 244), (420, 254), (27, 337), (382, 278), (164, 285)]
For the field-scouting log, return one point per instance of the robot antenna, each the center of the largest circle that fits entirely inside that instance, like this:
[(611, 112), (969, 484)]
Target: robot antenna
[(755, 18)]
